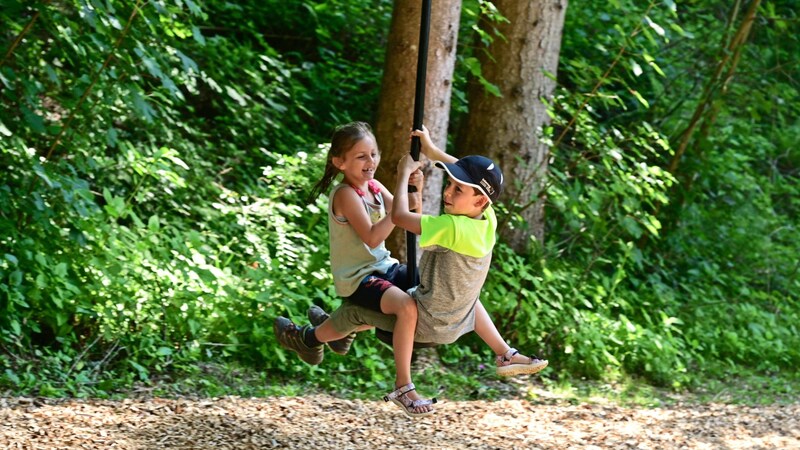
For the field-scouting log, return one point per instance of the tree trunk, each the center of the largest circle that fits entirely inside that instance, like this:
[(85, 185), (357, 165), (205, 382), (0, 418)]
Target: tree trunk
[(396, 104), (506, 128)]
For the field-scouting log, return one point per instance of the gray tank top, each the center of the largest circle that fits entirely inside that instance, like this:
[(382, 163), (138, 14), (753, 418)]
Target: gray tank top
[(351, 259)]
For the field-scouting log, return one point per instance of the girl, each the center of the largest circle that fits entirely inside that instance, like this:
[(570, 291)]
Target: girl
[(364, 271)]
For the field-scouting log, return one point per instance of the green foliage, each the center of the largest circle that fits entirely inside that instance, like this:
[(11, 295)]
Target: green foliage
[(337, 47), (108, 262), (665, 274)]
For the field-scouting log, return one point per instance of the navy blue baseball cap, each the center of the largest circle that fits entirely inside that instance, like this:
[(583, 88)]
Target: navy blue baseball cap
[(476, 171)]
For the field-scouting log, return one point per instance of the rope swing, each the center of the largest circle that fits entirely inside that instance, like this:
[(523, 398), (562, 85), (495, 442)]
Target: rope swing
[(419, 109)]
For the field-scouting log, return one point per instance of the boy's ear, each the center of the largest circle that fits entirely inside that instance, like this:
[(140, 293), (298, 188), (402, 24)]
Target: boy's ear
[(482, 201)]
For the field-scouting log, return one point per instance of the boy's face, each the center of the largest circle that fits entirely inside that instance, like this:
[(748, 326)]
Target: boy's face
[(460, 199)]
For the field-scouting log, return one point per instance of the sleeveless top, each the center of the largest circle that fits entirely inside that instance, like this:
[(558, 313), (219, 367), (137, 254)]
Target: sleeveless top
[(351, 259)]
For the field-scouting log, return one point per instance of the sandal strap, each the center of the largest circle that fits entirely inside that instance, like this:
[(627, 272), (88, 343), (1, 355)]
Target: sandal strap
[(418, 403), (402, 390), (505, 358)]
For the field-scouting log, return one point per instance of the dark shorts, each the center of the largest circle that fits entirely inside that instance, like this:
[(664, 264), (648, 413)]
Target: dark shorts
[(373, 286)]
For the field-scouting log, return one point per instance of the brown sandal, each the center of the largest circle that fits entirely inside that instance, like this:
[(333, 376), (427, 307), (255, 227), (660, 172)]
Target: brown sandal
[(400, 398)]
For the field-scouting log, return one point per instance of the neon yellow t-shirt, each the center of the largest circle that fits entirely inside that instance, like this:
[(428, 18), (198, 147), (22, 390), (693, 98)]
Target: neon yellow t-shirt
[(462, 234), (457, 253)]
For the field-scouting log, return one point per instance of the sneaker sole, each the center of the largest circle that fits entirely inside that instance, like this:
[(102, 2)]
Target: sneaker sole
[(521, 369)]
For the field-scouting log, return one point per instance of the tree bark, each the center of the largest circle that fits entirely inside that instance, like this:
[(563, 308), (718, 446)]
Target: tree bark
[(506, 128), (396, 104)]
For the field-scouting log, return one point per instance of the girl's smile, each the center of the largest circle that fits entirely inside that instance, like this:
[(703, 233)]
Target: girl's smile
[(359, 163)]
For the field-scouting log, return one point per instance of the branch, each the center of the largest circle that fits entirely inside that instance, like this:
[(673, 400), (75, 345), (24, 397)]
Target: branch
[(19, 37), (730, 52), (95, 77), (603, 78)]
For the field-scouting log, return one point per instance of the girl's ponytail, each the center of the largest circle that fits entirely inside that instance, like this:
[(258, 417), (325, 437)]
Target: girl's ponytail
[(324, 183)]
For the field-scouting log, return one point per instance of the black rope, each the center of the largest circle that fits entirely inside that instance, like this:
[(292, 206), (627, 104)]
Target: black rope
[(419, 109)]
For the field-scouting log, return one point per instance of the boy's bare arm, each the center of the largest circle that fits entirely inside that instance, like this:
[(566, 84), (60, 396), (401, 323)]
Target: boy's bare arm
[(430, 150), (401, 216)]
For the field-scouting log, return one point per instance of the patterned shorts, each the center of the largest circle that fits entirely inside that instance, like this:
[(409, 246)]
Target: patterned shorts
[(369, 292)]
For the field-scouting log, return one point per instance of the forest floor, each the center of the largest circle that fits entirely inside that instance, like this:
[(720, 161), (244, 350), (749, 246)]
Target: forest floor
[(524, 419)]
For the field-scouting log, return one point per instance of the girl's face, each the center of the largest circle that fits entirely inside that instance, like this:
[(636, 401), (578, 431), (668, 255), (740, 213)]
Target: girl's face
[(359, 163), (461, 200)]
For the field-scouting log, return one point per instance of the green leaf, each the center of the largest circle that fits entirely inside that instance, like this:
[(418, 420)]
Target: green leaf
[(15, 279), (12, 377), (198, 36), (111, 137), (153, 224), (637, 69), (232, 93), (193, 8), (640, 98), (632, 226), (35, 121), (60, 269), (657, 28)]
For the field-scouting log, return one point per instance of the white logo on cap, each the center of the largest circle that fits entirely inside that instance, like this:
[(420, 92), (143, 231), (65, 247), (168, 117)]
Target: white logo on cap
[(488, 187), (491, 166)]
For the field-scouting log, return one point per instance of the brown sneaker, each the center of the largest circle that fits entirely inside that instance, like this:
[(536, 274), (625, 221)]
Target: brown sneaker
[(290, 337), (316, 316)]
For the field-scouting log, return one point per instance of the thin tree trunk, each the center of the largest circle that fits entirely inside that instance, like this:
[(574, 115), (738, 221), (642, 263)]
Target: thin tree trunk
[(730, 55), (705, 114), (396, 104)]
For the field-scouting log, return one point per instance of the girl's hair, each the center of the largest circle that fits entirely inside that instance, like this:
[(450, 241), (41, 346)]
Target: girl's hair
[(343, 139)]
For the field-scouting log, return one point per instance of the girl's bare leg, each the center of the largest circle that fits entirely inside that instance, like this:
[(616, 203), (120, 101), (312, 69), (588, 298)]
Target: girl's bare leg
[(400, 304)]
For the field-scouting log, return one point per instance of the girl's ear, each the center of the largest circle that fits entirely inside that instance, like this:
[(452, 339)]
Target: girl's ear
[(337, 162)]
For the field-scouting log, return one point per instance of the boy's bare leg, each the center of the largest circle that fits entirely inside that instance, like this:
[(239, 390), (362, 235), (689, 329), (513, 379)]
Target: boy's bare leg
[(325, 332), (397, 302), (485, 328)]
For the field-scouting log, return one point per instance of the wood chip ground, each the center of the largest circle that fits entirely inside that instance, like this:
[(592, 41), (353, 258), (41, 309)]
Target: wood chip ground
[(326, 422)]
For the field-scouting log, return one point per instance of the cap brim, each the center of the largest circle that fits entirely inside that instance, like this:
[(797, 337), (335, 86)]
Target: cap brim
[(460, 175)]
